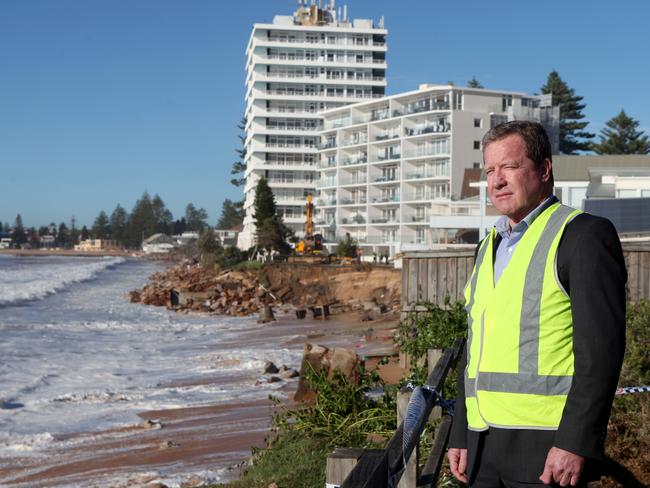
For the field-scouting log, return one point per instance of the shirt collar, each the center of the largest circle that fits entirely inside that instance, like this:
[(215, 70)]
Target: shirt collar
[(502, 225)]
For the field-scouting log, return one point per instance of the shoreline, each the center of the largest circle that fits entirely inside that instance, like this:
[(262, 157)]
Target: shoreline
[(71, 253), (211, 441)]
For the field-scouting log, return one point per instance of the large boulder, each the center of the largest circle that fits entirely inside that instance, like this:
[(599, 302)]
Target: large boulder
[(321, 358)]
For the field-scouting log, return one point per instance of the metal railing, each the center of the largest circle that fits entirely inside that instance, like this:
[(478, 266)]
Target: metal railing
[(384, 469)]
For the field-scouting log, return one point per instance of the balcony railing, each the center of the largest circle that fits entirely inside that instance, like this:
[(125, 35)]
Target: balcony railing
[(354, 141), (385, 220), (326, 202), (349, 162), (327, 145), (385, 179), (385, 137), (386, 199), (426, 174), (354, 181), (355, 201), (389, 157), (432, 129)]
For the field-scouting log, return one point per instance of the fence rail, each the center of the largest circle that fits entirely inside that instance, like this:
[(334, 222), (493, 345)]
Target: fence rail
[(432, 275)]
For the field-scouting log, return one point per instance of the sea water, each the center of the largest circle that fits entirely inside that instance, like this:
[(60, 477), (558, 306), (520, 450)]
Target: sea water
[(77, 356)]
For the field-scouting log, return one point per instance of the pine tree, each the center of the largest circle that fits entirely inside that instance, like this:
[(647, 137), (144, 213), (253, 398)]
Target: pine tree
[(196, 219), (117, 224), (271, 233), (141, 223), (620, 136), (474, 83), (572, 136), (162, 215), (100, 228), (264, 203), (239, 167), (18, 234), (85, 233), (231, 215)]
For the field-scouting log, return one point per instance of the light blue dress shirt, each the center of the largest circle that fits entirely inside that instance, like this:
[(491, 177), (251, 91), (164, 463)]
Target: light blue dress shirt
[(511, 237)]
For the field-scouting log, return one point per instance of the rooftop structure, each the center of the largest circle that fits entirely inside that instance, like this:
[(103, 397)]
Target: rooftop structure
[(298, 66), (389, 166)]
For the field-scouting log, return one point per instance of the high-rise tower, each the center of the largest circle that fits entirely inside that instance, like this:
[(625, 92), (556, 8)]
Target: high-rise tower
[(296, 67)]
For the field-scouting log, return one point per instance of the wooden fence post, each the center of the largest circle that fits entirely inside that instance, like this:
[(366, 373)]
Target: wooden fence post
[(410, 477)]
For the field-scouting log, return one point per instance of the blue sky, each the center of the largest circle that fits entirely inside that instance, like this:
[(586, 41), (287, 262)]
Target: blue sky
[(101, 100)]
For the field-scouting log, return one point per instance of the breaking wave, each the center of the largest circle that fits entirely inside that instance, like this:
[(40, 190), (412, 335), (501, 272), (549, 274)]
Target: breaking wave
[(35, 283)]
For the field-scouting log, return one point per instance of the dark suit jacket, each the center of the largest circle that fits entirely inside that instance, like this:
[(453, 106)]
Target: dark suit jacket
[(591, 268)]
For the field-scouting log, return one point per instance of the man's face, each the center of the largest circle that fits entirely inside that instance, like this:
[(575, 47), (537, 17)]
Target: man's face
[(515, 186)]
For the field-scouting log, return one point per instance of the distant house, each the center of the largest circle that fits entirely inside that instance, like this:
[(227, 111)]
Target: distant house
[(48, 241), (228, 237), (94, 245), (5, 242), (186, 237), (158, 243)]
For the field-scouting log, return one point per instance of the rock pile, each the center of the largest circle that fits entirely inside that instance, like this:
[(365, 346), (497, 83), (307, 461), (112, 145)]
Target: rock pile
[(189, 286)]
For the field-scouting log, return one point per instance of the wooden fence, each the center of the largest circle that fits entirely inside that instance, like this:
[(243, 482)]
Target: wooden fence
[(432, 275)]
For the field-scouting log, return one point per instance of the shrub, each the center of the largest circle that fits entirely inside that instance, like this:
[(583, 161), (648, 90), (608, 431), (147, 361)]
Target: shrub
[(346, 247)]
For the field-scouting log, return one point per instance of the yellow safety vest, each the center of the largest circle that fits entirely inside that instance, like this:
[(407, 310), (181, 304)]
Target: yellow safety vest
[(520, 344)]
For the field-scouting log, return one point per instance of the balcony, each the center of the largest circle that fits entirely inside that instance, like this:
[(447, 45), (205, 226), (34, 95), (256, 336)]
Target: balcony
[(425, 175), (353, 201), (385, 179), (355, 220), (331, 144), (431, 129), (326, 165), (349, 162), (326, 202), (386, 137), (354, 141), (388, 157), (362, 180), (385, 220), (386, 199)]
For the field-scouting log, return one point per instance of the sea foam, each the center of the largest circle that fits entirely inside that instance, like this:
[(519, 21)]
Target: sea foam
[(36, 283)]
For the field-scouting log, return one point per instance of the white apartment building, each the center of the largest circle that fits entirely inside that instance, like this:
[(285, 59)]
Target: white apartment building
[(296, 67), (388, 166)]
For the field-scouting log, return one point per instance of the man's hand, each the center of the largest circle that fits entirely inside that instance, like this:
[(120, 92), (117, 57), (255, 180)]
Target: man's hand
[(561, 466), (458, 463)]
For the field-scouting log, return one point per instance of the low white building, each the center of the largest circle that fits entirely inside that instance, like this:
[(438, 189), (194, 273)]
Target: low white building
[(158, 243)]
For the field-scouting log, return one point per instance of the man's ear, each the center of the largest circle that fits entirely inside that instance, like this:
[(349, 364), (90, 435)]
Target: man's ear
[(547, 170)]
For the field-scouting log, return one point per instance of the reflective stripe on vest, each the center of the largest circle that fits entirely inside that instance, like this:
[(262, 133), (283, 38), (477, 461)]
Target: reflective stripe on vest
[(512, 391)]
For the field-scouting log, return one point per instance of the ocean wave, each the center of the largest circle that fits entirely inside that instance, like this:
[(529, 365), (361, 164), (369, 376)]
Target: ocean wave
[(39, 281)]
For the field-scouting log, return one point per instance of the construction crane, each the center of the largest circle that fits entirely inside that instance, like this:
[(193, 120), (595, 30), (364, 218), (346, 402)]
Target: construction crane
[(311, 243)]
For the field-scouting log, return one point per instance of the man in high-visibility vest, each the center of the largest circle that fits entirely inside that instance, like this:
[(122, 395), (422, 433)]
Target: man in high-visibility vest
[(546, 318)]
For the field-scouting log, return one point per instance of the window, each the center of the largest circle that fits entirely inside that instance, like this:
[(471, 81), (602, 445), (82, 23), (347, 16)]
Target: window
[(476, 165), (477, 144), (477, 122)]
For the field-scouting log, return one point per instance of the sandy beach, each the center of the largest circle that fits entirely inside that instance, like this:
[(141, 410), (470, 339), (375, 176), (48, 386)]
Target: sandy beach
[(211, 439)]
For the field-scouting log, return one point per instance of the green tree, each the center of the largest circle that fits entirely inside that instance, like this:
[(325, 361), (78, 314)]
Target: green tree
[(142, 222), (573, 137), (62, 235), (117, 224), (264, 203), (100, 228), (209, 248), (85, 233), (195, 218), (239, 167), (18, 234), (162, 215), (620, 136), (346, 247), (271, 233), (231, 215), (474, 83), (1, 227)]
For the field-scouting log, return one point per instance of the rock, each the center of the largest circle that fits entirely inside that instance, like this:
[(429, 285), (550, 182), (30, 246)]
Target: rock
[(274, 379), (152, 424), (167, 445), (134, 296), (270, 368), (288, 373), (321, 358), (266, 315), (194, 481)]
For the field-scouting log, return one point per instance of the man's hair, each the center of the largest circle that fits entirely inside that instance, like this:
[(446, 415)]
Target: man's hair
[(538, 147)]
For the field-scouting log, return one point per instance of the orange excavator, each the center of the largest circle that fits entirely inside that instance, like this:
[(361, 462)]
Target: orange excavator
[(311, 243)]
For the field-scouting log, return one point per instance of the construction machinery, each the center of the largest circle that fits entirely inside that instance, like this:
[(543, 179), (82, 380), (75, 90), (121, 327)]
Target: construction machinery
[(310, 244)]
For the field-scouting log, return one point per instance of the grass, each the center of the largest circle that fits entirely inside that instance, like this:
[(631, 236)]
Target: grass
[(293, 461)]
